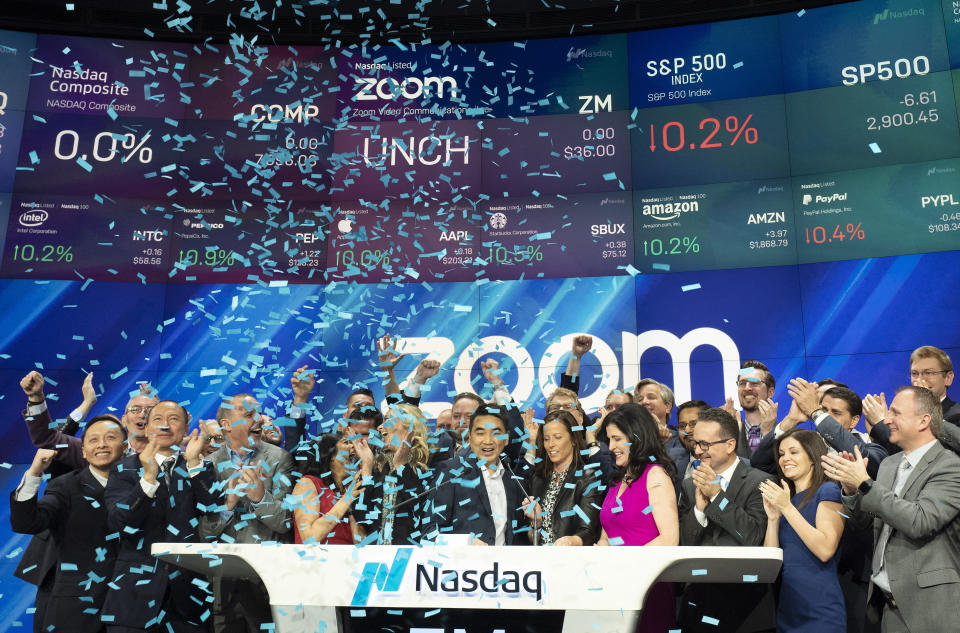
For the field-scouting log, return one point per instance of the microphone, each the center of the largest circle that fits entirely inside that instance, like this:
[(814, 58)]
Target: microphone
[(422, 494), (405, 502), (533, 526)]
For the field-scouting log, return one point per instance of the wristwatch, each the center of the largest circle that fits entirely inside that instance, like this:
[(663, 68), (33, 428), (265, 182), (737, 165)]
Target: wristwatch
[(816, 413), (865, 486)]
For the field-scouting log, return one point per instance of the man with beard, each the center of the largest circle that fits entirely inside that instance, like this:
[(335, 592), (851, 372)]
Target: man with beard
[(755, 386)]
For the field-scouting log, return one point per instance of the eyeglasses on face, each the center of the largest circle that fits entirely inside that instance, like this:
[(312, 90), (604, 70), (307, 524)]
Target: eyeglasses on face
[(705, 446), (926, 373)]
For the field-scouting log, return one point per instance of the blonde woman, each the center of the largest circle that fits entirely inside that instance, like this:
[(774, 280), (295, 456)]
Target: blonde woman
[(393, 502)]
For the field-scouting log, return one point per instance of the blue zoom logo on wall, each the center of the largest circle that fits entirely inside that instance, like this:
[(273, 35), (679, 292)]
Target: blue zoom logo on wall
[(430, 578)]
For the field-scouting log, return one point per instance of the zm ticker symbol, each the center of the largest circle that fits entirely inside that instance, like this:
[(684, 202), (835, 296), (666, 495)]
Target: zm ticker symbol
[(386, 578)]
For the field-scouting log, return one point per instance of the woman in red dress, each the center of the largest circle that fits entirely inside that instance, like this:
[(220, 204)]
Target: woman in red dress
[(323, 497)]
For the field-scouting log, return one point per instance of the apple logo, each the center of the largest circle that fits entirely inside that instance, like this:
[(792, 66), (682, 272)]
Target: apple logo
[(345, 226)]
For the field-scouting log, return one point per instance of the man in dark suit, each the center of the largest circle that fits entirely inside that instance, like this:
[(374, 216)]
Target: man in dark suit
[(478, 494), (721, 505), (37, 563), (158, 496), (913, 506), (256, 477), (72, 509)]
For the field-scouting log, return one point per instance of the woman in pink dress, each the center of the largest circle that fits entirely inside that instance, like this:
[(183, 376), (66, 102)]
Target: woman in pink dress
[(641, 505)]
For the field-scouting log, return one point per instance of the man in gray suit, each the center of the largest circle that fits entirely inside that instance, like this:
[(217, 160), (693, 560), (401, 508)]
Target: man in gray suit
[(721, 505), (255, 477), (915, 585)]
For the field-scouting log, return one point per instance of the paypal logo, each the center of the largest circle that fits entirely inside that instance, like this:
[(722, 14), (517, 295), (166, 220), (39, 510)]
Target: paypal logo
[(385, 578)]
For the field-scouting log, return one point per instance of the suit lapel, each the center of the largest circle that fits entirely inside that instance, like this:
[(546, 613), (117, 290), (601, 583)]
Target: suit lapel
[(484, 497), (917, 472), (736, 482), (885, 476)]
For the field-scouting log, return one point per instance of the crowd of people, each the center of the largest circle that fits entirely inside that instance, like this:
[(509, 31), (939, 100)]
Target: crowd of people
[(867, 520)]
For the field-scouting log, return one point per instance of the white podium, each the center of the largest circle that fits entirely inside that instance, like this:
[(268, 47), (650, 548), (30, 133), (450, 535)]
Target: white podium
[(600, 589)]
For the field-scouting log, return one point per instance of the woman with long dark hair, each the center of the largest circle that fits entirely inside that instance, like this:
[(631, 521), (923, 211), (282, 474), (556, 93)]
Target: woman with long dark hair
[(641, 505), (562, 482), (803, 518), (329, 484)]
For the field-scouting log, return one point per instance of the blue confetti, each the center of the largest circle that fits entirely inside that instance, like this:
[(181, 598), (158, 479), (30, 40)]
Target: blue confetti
[(875, 148), (690, 287)]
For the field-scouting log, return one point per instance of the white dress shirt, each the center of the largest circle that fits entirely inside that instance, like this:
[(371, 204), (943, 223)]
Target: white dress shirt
[(497, 495), (725, 479)]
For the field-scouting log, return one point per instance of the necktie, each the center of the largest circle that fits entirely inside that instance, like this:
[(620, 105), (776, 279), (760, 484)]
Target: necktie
[(723, 482), (167, 466), (753, 436), (903, 473)]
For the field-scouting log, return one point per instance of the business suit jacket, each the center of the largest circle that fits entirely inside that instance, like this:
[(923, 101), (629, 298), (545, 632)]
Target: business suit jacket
[(587, 494), (463, 507), (921, 561), (951, 410), (735, 517), (678, 453), (141, 582), (270, 521), (72, 509), (69, 447)]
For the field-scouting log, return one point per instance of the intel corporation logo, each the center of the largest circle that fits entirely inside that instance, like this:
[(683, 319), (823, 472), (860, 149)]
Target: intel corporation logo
[(33, 219)]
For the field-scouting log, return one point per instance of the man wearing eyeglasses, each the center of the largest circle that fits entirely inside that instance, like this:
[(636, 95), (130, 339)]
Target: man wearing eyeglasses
[(930, 367), (755, 386), (721, 505)]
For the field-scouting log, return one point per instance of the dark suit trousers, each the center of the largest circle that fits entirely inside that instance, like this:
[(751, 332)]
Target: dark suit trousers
[(240, 606)]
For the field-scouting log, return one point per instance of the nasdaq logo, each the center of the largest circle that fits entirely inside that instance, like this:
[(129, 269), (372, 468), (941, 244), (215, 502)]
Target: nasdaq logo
[(33, 218), (385, 578), (896, 15), (769, 188), (490, 581)]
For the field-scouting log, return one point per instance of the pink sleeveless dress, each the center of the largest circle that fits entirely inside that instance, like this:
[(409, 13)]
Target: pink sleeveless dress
[(624, 519)]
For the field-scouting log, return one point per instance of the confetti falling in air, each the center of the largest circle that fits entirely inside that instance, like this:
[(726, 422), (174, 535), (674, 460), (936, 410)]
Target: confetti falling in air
[(875, 148), (738, 65), (689, 287)]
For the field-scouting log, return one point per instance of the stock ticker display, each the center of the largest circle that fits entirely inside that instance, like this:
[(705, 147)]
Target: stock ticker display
[(815, 136)]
